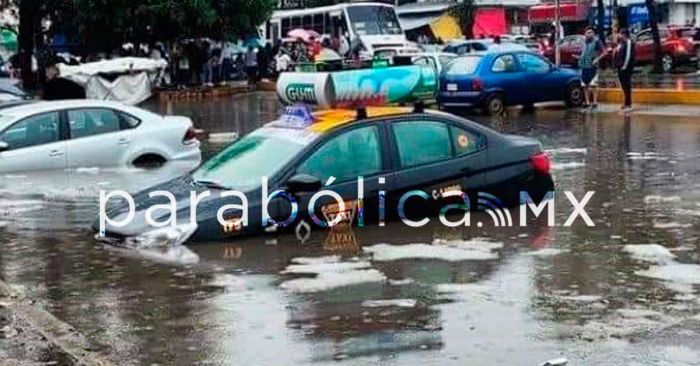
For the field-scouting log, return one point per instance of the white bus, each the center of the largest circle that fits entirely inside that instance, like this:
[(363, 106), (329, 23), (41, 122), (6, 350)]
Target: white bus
[(374, 24)]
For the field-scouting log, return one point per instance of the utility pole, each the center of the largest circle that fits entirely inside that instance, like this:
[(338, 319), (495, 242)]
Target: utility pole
[(654, 24), (600, 6), (557, 26)]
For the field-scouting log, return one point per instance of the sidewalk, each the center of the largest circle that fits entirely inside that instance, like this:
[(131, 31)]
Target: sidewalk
[(670, 110)]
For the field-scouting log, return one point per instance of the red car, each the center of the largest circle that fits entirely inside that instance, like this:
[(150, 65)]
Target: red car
[(676, 46), (569, 46)]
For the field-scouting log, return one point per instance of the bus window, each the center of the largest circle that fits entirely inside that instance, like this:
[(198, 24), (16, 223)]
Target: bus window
[(296, 22), (318, 23), (373, 20), (307, 23), (286, 26), (327, 24)]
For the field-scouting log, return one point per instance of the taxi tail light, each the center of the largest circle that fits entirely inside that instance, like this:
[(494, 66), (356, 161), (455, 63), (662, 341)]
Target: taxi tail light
[(190, 135), (477, 84), (540, 163)]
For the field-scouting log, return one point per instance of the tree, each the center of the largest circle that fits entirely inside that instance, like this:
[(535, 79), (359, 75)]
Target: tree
[(654, 23), (464, 12), (103, 25)]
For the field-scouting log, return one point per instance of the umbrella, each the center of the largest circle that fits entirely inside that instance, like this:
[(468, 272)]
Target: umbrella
[(8, 39), (304, 34)]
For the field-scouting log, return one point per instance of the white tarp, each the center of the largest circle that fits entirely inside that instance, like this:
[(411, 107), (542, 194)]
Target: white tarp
[(81, 73), (127, 89), (133, 87)]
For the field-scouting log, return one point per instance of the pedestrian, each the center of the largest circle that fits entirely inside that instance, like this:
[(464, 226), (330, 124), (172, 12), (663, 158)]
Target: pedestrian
[(216, 61), (592, 52), (624, 62), (58, 88), (227, 65), (207, 64), (282, 61), (264, 57), (251, 66), (314, 48)]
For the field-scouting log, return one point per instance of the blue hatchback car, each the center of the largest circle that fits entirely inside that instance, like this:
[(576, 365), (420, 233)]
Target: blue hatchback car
[(495, 80)]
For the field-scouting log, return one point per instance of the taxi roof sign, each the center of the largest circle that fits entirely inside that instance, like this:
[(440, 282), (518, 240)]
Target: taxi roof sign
[(359, 88)]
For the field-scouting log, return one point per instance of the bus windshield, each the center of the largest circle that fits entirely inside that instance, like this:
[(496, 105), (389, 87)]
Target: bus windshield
[(373, 20)]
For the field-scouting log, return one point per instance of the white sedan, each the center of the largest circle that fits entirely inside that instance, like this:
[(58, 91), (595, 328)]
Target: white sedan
[(91, 133)]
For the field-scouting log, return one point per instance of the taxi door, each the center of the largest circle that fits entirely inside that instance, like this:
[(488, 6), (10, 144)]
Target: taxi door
[(337, 162), (432, 159)]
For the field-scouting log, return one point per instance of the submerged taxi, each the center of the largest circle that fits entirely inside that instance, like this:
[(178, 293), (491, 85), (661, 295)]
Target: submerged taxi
[(316, 168)]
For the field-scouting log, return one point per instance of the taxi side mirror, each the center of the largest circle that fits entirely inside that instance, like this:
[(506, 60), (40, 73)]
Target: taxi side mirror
[(4, 146), (303, 183)]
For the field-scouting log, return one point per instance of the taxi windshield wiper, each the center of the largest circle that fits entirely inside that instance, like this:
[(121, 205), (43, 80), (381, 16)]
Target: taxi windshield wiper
[(211, 184)]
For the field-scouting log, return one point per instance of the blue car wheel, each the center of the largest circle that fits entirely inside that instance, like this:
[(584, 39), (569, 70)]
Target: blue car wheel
[(495, 104)]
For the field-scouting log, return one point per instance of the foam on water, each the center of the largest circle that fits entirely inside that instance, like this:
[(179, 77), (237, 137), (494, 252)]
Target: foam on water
[(325, 281), (655, 198), (568, 150), (670, 225), (325, 267), (401, 303), (681, 273), (546, 252), (653, 253), (316, 260), (567, 166), (387, 252)]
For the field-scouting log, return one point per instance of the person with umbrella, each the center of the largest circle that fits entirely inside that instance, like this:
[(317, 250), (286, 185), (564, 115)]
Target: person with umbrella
[(251, 66)]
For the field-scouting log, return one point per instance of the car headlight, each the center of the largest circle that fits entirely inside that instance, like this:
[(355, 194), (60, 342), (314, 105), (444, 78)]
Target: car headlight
[(164, 236)]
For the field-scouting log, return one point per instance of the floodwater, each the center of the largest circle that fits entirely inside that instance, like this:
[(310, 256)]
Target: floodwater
[(391, 295)]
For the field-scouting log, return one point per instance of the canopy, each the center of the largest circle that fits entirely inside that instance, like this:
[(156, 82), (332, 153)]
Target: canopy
[(489, 22), (545, 13), (446, 28), (412, 22)]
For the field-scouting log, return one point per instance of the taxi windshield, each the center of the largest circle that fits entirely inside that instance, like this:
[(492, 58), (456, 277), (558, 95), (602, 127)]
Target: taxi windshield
[(262, 153)]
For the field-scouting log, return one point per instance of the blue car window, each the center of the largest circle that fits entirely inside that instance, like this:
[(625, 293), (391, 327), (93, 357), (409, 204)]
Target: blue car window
[(532, 63), (463, 65), (347, 156), (421, 142), (504, 63)]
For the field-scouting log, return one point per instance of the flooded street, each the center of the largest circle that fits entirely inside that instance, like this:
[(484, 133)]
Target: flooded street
[(390, 295)]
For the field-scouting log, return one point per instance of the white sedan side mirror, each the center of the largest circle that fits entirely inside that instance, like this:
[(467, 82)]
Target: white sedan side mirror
[(4, 146)]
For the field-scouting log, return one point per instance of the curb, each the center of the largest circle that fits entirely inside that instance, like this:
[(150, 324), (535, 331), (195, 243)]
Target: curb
[(652, 96), (58, 333)]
